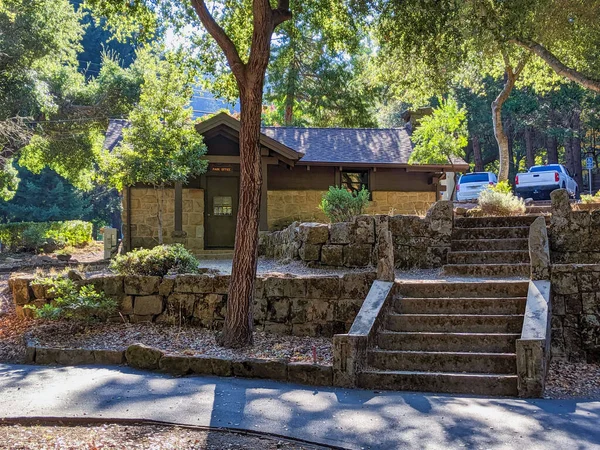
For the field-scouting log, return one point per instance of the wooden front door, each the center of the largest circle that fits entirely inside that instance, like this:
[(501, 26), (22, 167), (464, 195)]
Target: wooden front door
[(220, 211)]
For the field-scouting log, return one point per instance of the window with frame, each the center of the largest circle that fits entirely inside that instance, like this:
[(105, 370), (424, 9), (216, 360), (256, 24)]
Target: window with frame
[(222, 206), (355, 180)]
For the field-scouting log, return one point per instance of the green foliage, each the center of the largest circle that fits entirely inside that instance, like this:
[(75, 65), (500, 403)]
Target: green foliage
[(160, 260), (496, 203), (341, 205), (73, 303), (44, 197), (442, 136), (502, 187), (31, 236), (590, 199), (161, 146)]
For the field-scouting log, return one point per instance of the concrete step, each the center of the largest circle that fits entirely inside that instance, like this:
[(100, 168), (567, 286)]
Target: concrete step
[(466, 245), (448, 342), (214, 254), (488, 270), (491, 233), (486, 222), (465, 305), (455, 323), (493, 257), (443, 361), (456, 383), (452, 289)]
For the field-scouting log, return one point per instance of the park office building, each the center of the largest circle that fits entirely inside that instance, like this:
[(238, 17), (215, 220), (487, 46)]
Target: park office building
[(298, 164)]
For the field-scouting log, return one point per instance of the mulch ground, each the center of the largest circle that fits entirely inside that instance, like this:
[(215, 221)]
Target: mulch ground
[(17, 437), (573, 380)]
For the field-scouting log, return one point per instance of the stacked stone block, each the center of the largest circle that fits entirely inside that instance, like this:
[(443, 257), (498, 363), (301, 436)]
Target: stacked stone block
[(317, 306), (423, 242)]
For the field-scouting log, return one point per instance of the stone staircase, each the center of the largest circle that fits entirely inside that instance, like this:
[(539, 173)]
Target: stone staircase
[(455, 337), (490, 247)]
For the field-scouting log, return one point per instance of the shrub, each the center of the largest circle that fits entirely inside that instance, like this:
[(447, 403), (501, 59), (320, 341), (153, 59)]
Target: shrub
[(495, 203), (70, 302), (590, 199), (31, 236), (503, 187), (160, 260), (341, 205)]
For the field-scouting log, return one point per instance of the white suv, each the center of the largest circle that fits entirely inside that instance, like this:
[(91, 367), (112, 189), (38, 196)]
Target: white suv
[(471, 184)]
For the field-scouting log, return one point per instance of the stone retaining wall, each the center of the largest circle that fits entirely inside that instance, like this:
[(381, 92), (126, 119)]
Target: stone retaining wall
[(316, 306), (418, 242), (423, 242), (576, 312), (148, 358), (343, 244), (574, 235)]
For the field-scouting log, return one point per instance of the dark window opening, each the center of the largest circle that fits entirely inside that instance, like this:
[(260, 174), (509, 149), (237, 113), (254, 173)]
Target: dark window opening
[(355, 181)]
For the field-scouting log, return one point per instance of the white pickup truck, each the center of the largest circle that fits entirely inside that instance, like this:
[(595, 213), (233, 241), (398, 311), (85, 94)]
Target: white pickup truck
[(539, 181)]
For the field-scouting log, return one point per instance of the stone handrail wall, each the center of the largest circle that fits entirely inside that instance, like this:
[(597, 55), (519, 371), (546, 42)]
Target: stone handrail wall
[(533, 347), (302, 306), (539, 250), (350, 350)]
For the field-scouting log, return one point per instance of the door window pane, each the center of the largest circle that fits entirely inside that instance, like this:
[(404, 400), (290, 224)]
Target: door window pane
[(222, 206)]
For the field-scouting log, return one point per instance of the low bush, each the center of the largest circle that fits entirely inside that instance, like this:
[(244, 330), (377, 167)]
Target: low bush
[(588, 199), (71, 302), (341, 205), (160, 260), (502, 187), (33, 236), (497, 203)]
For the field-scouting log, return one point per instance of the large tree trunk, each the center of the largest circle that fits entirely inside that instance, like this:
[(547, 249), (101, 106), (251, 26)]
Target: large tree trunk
[(576, 150), (477, 154), (499, 134), (530, 151), (552, 146), (238, 320)]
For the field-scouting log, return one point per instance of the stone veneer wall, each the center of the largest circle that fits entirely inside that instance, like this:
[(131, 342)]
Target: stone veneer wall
[(316, 306), (423, 242), (576, 312), (574, 235), (392, 202), (285, 207), (144, 223)]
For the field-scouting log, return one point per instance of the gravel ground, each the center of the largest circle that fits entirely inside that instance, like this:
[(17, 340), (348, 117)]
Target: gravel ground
[(186, 340), (573, 380), (17, 437)]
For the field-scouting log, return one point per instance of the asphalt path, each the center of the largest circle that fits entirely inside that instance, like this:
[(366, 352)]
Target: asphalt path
[(340, 417)]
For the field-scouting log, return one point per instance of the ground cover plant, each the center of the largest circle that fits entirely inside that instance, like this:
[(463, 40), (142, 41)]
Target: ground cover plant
[(160, 261), (588, 199), (70, 301), (341, 205), (33, 236)]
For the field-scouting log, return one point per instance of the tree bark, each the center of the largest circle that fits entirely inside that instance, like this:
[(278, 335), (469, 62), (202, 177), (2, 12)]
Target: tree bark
[(576, 149), (477, 154), (529, 150), (250, 78), (499, 134), (557, 65), (552, 146)]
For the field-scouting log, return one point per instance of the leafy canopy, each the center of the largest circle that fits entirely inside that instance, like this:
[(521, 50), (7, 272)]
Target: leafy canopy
[(161, 145), (442, 136)]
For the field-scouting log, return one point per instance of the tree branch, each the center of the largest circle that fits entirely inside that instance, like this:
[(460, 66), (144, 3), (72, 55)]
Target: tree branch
[(556, 65), (282, 12), (231, 52)]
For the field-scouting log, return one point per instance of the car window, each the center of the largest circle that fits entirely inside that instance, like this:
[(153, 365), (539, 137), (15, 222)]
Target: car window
[(474, 178), (548, 168)]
